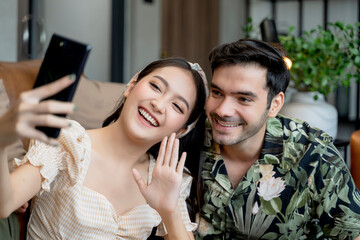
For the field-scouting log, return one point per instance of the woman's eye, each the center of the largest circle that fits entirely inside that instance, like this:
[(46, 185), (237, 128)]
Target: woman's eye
[(155, 87), (178, 108)]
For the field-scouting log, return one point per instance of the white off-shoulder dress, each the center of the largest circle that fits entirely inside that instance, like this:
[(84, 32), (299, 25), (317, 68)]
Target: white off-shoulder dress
[(65, 209)]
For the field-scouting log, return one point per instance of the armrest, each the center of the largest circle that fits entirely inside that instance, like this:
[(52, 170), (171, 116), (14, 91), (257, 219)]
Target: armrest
[(18, 76), (355, 157)]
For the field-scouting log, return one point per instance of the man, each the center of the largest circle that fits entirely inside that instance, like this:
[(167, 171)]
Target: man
[(266, 176)]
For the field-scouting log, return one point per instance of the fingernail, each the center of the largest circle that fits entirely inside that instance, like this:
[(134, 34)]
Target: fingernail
[(72, 76), (75, 108), (70, 124)]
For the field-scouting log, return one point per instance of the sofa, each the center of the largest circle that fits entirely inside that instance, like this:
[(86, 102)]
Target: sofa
[(94, 99)]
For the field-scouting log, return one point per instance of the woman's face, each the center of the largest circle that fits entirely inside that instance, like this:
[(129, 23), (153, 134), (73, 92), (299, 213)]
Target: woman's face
[(159, 104)]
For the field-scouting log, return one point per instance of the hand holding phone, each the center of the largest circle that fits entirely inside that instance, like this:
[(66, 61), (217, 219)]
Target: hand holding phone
[(30, 111), (63, 57)]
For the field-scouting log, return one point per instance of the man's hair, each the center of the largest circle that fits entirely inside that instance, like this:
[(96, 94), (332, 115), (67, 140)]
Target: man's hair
[(245, 51)]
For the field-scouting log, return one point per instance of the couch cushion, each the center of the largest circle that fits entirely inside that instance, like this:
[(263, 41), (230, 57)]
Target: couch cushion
[(95, 101)]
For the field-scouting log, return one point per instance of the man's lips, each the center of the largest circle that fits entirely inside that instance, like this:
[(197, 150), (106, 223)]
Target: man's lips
[(227, 124), (147, 116)]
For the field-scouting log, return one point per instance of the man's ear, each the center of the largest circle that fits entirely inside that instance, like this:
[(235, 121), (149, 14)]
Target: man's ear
[(276, 104)]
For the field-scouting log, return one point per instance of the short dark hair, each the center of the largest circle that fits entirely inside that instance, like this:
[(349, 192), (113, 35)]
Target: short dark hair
[(246, 51)]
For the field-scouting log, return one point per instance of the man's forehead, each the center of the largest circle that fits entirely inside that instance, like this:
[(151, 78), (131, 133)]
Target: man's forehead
[(232, 77)]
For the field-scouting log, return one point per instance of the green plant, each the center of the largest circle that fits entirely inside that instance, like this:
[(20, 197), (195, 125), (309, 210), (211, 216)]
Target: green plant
[(322, 58)]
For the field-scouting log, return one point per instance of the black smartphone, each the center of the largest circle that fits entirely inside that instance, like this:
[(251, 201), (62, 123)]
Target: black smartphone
[(63, 57)]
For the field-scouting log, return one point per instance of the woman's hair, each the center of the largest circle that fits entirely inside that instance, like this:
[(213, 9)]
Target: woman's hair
[(246, 51), (192, 143)]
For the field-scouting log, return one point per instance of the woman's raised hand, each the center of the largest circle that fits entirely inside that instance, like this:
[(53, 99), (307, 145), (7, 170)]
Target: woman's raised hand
[(28, 112), (163, 192)]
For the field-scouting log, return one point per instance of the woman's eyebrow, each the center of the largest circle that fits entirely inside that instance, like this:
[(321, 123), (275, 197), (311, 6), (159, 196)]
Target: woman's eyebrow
[(167, 85)]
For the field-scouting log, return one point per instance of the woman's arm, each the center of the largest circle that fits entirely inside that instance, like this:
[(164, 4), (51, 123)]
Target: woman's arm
[(21, 121), (17, 188), (163, 192)]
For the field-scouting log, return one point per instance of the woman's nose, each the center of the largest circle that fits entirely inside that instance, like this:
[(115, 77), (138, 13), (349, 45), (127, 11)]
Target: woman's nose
[(158, 104)]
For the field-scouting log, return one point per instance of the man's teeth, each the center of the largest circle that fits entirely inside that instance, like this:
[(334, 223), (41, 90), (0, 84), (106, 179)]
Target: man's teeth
[(148, 117), (229, 125)]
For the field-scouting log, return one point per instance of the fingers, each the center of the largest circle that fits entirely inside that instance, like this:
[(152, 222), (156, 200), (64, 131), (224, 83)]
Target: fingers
[(139, 181), (169, 150), (27, 123), (174, 153), (50, 106), (160, 158), (180, 166), (36, 134), (49, 89), (55, 107)]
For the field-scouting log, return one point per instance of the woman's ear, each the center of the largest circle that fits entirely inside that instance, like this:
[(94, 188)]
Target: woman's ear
[(182, 132), (276, 105), (129, 88), (131, 84)]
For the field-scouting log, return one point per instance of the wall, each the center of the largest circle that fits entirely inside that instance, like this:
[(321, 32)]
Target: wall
[(232, 15), (142, 35), (232, 18), (8, 26), (88, 21)]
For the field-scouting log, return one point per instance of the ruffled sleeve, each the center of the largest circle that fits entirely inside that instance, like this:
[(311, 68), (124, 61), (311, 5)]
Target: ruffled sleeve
[(66, 158), (184, 194)]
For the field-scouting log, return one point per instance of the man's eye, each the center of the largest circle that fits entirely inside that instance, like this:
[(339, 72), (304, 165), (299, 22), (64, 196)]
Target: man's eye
[(243, 99), (215, 93), (178, 108)]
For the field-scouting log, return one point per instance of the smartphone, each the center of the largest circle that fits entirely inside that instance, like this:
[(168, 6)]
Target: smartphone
[(62, 57)]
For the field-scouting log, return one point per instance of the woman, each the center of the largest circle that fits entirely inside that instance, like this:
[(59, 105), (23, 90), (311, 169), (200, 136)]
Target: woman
[(105, 183)]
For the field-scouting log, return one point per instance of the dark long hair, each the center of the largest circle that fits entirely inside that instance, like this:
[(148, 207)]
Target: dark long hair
[(192, 143)]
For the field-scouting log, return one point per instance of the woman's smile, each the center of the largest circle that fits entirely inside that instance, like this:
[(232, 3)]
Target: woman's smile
[(145, 115)]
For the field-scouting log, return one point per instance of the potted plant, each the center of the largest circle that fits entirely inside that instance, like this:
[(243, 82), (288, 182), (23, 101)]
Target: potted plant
[(323, 59)]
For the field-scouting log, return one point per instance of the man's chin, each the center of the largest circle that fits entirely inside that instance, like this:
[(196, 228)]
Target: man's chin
[(223, 140)]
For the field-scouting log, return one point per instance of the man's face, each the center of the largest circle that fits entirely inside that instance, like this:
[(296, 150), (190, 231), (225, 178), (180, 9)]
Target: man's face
[(237, 106)]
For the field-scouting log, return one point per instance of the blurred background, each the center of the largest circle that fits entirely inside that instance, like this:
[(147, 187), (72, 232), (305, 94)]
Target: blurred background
[(128, 34)]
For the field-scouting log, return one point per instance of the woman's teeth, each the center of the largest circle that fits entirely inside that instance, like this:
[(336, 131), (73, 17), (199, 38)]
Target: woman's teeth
[(148, 117)]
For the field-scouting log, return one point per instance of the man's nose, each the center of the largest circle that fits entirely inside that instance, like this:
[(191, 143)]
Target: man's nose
[(225, 108)]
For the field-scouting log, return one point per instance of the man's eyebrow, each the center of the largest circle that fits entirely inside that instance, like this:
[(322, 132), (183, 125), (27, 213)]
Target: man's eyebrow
[(247, 93), (181, 98)]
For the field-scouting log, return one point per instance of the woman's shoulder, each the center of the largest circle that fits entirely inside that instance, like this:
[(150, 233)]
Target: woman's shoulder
[(75, 133)]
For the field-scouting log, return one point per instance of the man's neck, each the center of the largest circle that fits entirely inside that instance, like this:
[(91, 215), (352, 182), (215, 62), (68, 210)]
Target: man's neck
[(240, 157), (245, 151)]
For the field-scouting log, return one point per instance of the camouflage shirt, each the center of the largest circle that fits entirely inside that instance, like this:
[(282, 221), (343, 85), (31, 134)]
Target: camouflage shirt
[(299, 188)]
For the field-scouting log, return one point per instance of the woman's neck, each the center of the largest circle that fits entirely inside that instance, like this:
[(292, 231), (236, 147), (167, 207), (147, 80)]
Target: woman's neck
[(111, 142)]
